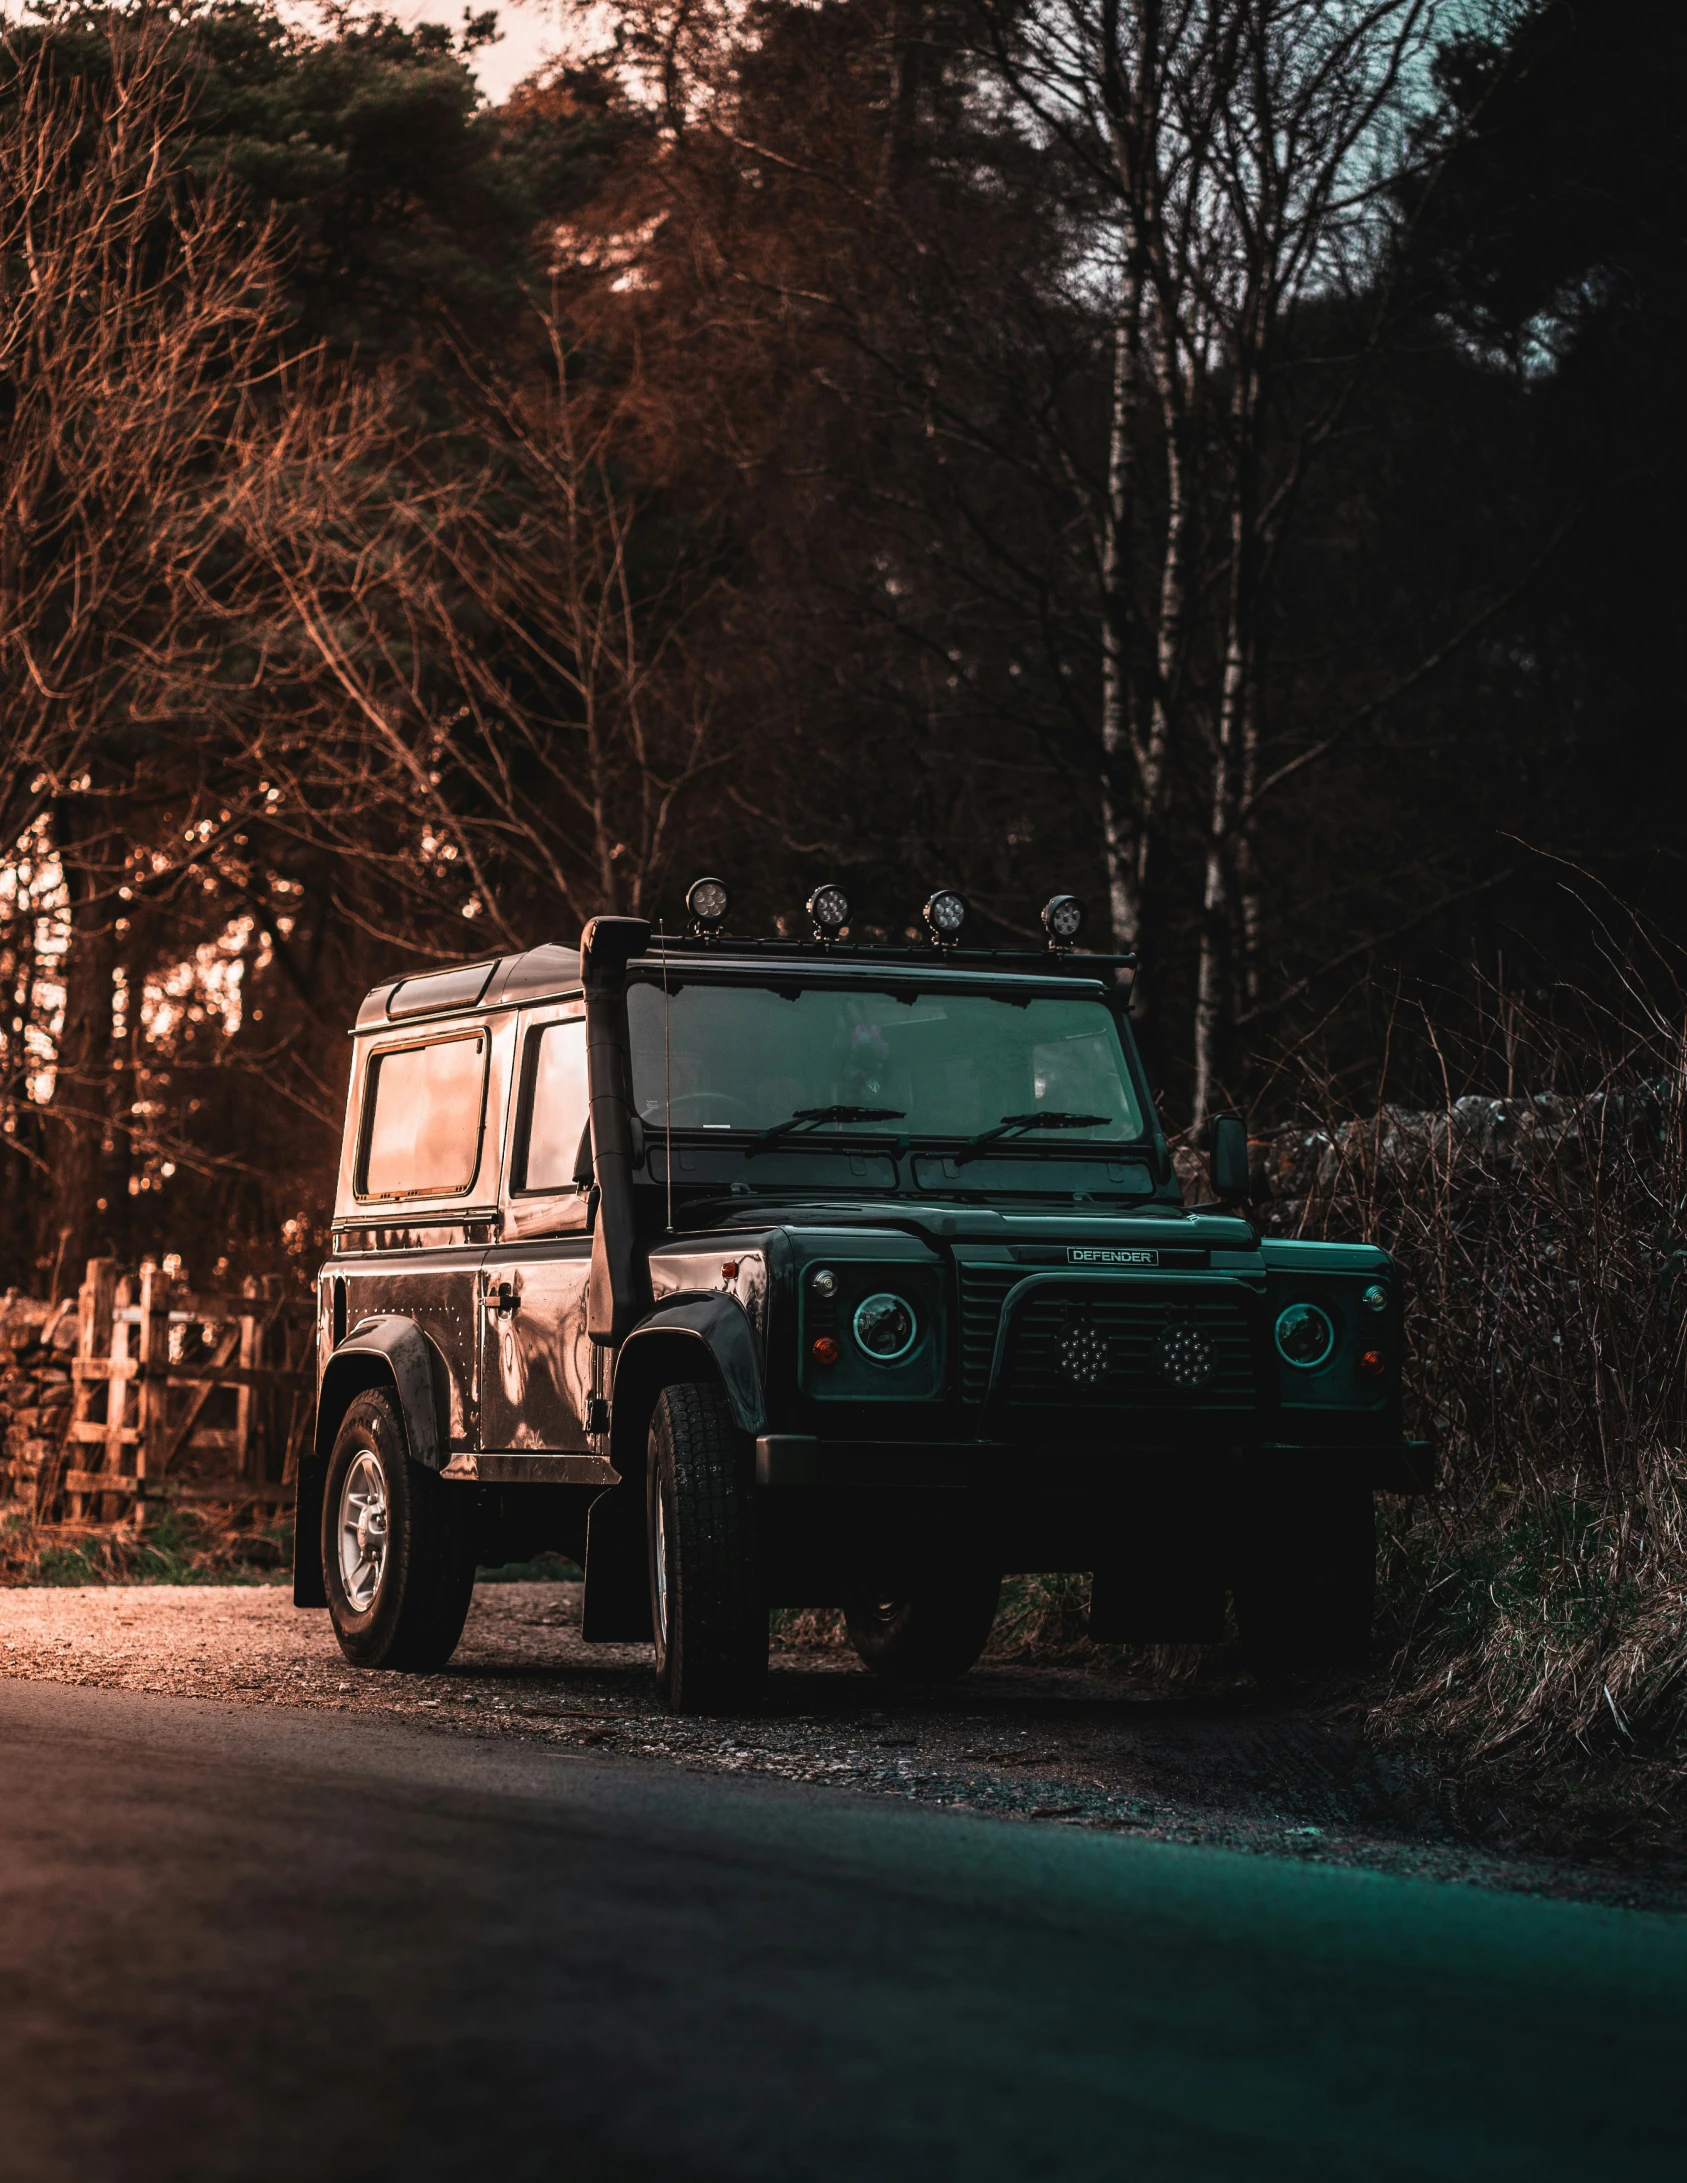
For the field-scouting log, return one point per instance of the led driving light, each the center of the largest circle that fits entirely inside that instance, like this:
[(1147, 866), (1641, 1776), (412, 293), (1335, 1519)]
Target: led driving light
[(1186, 1356), (1305, 1337), (828, 906), (1063, 919), (1084, 1355), (707, 902), (885, 1327), (945, 914), (1375, 1298)]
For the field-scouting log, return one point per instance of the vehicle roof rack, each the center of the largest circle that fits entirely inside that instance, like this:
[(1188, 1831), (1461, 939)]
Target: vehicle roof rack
[(550, 972), (704, 945)]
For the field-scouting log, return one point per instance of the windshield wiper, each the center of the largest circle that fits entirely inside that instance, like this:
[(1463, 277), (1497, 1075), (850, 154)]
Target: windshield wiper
[(807, 1117), (1014, 1125)]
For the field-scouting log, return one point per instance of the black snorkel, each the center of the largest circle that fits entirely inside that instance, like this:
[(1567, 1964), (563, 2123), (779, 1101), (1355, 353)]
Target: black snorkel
[(618, 1294)]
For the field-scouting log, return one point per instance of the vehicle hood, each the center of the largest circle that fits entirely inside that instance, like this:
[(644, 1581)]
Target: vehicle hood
[(948, 1224)]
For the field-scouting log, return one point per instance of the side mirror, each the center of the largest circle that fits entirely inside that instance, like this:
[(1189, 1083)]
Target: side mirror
[(1227, 1160)]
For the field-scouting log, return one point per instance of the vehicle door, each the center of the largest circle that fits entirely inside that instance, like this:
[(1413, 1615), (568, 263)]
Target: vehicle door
[(536, 1357), (423, 1194)]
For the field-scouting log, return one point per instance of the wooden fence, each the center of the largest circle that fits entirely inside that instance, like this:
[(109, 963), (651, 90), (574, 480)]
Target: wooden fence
[(154, 1366)]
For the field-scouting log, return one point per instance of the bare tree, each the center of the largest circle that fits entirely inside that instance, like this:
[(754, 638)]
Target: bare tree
[(1242, 150), (1309, 136), (136, 308), (1133, 91), (474, 697), (588, 737)]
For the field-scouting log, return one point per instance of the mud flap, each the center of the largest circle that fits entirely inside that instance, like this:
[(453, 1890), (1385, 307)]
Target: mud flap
[(617, 1604), (308, 1588)]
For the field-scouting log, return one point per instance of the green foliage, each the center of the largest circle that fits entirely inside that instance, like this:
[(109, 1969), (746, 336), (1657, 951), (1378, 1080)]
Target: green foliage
[(178, 1546), (404, 204)]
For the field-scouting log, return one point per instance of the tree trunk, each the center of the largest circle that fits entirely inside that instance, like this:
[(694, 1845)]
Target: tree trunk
[(1169, 617), (1215, 914), (79, 1113), (1249, 906), (1131, 94), (1213, 1008), (1123, 814)]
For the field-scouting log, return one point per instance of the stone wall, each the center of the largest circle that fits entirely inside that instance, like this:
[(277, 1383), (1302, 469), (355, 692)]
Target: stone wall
[(1315, 1180), (37, 1343)]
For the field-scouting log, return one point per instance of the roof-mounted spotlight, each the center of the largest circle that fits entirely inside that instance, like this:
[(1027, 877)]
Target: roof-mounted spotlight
[(828, 906), (1064, 917), (945, 914), (707, 902)]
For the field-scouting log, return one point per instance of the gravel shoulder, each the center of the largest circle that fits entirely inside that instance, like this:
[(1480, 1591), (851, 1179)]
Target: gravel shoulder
[(1233, 1767)]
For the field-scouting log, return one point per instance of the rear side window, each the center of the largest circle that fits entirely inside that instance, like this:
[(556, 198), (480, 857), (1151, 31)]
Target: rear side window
[(554, 1106), (422, 1115)]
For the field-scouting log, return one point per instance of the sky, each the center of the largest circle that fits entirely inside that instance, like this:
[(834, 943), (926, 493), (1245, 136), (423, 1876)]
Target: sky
[(532, 31)]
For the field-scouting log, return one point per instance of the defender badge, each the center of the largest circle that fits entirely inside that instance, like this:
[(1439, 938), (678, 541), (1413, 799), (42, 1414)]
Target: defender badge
[(1122, 1254)]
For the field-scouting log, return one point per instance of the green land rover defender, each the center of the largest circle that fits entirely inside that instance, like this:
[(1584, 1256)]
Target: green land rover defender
[(766, 1273)]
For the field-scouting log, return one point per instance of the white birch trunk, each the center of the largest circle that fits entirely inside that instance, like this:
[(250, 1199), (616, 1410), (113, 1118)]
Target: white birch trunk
[(1122, 816)]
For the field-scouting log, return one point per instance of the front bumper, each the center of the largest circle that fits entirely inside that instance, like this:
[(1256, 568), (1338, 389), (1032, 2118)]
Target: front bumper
[(794, 1460)]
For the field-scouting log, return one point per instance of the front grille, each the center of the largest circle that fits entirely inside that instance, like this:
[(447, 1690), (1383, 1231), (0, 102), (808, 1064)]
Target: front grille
[(983, 1289), (1137, 1345)]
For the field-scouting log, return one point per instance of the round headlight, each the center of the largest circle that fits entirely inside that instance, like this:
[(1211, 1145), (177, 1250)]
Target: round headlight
[(946, 913), (885, 1327), (1375, 1298), (829, 907), (1305, 1337), (708, 901), (1063, 919)]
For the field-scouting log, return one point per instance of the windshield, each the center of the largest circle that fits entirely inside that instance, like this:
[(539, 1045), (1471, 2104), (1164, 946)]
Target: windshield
[(931, 1065)]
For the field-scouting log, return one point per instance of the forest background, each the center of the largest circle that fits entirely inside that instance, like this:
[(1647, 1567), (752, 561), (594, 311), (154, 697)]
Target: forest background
[(1217, 456)]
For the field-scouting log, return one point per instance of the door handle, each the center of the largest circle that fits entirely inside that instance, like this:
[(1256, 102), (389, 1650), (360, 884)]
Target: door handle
[(506, 1300)]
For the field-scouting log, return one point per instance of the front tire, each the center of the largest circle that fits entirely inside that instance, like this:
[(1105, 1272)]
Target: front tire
[(708, 1601), (930, 1630), (397, 1561)]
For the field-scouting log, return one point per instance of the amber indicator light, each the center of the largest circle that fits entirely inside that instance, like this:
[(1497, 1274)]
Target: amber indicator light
[(825, 1350), (1372, 1363)]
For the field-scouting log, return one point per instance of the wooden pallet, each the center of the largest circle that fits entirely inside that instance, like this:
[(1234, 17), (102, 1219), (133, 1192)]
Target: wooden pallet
[(142, 1382)]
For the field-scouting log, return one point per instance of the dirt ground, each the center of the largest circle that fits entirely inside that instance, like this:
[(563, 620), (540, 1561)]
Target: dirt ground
[(1231, 1767)]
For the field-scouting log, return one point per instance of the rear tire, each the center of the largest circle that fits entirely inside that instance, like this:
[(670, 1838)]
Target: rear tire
[(1305, 1579), (708, 1601), (928, 1631), (397, 1559)]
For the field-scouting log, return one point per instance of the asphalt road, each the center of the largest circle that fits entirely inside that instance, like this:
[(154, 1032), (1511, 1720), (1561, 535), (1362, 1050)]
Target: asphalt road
[(262, 1943)]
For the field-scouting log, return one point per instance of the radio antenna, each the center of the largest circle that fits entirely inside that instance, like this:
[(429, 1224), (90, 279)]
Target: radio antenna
[(667, 1081)]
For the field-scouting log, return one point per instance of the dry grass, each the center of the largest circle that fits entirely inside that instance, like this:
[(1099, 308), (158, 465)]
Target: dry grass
[(180, 1547), (1536, 1609)]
